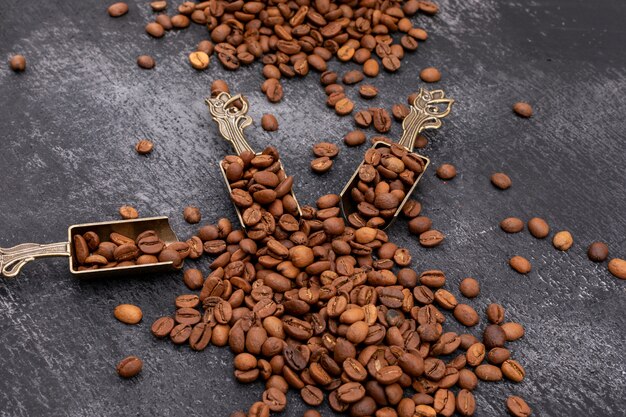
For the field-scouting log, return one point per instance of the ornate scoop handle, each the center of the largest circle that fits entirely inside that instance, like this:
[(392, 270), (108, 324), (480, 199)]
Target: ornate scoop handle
[(427, 110), (231, 119), (13, 259)]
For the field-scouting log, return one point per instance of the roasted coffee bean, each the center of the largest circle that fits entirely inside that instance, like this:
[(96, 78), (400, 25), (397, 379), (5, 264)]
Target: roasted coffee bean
[(352, 77), (400, 112), (498, 355), (475, 354), (17, 63), (494, 336), (563, 240), (598, 251), (512, 370), (363, 118), (321, 165), (162, 326), (350, 392), (446, 171), (81, 250), (92, 239), (488, 373), (199, 60), (538, 227), (430, 75), (617, 267), (465, 403), (517, 407), (313, 396), (344, 106), (126, 252), (433, 278), (469, 287), (129, 367), (145, 62), (512, 225), (431, 238), (368, 91), (155, 30), (419, 225), (354, 138), (522, 109), (118, 9), (200, 336), (520, 264), (327, 149), (128, 313), (512, 331), (501, 180), (143, 147), (269, 123), (467, 380), (192, 215), (381, 120), (371, 68), (495, 313), (128, 212)]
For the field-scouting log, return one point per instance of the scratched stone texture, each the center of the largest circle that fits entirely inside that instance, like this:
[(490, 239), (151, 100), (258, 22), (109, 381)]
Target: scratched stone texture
[(69, 123)]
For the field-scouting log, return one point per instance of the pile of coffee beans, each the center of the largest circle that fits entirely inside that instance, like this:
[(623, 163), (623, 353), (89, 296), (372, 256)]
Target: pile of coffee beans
[(385, 177), (336, 313), (292, 38), (120, 251)]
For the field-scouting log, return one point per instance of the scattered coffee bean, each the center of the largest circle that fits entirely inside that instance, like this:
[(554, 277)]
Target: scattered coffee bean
[(517, 407), (431, 238), (512, 331), (617, 267), (344, 106), (158, 6), (520, 264), (17, 63), (162, 327), (192, 215), (155, 30), (352, 77), (128, 313), (430, 75), (494, 336), (145, 61), (501, 180), (269, 123), (512, 225), (219, 86), (598, 251), (363, 118), (523, 109), (495, 313), (538, 228), (118, 9), (446, 171), (128, 212), (563, 240), (512, 370), (199, 60), (469, 287), (129, 367), (368, 91), (400, 112), (327, 149), (354, 138), (144, 147)]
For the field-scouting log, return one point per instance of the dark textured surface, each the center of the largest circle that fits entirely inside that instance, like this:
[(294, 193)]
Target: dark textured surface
[(69, 123)]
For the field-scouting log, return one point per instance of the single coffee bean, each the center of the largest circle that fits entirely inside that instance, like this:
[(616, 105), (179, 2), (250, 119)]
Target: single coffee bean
[(192, 215), (523, 109), (467, 380), (538, 227), (128, 212), (165, 22), (446, 171), (199, 60), (200, 336), (598, 251), (219, 86), (617, 267), (465, 403), (469, 287), (433, 278), (144, 147), (363, 118), (512, 225), (419, 225), (495, 313), (155, 30), (520, 264), (352, 77), (354, 138), (128, 313), (371, 68), (17, 63), (170, 255), (321, 165), (158, 5), (313, 396), (430, 75), (563, 240), (368, 91), (488, 373), (145, 61), (162, 327), (494, 336), (118, 9), (400, 112), (81, 250), (475, 354), (325, 149), (517, 407), (431, 238), (269, 123), (512, 370), (129, 367), (501, 180), (466, 315), (180, 333), (424, 411), (497, 356), (344, 106), (512, 331)]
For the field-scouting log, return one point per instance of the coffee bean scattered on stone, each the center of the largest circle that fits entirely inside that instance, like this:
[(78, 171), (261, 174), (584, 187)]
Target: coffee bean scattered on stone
[(538, 227), (144, 147), (469, 287), (563, 240), (598, 251), (199, 60), (430, 75), (523, 109), (129, 367), (128, 212), (17, 63), (501, 180), (269, 122), (512, 225), (146, 61), (617, 267), (520, 264), (517, 407), (192, 214), (446, 171), (354, 138), (118, 9)]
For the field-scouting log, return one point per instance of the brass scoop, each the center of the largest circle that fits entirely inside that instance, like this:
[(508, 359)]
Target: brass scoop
[(427, 110), (13, 259), (230, 115)]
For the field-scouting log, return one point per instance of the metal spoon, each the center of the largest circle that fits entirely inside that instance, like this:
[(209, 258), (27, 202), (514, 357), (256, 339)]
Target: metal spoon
[(230, 114), (427, 110), (13, 259)]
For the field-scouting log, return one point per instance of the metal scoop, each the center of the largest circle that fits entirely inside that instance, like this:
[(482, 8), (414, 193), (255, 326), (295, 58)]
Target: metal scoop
[(230, 114), (13, 259), (427, 110)]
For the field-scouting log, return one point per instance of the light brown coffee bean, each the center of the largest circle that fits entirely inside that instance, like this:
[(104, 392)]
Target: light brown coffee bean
[(199, 60), (446, 171), (129, 367), (538, 227), (321, 165), (430, 75), (469, 287), (617, 267), (128, 313), (344, 106), (501, 180), (128, 212), (513, 371), (522, 109), (368, 91), (517, 407), (489, 373), (354, 138), (431, 238), (269, 123), (118, 9), (512, 331), (520, 264), (17, 63), (563, 240), (495, 313), (512, 225), (144, 147), (466, 315), (371, 68), (155, 30), (162, 327), (146, 61)]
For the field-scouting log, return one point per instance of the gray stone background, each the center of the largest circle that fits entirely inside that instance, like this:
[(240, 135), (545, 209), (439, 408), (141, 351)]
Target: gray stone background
[(69, 123)]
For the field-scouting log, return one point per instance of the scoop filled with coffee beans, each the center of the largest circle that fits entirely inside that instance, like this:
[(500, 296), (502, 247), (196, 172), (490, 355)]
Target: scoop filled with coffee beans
[(389, 172), (107, 249), (259, 188)]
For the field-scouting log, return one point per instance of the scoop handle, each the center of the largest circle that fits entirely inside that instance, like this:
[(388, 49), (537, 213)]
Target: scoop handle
[(231, 119), (427, 110), (13, 259)]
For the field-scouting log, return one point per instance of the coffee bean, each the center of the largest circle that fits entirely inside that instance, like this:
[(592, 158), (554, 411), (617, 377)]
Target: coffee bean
[(419, 225), (488, 373), (512, 331), (363, 118), (497, 356), (512, 225), (81, 250), (494, 336), (129, 367), (162, 327), (520, 264), (538, 227), (169, 255), (598, 251), (321, 165), (501, 180), (128, 313), (144, 147), (400, 112), (466, 315), (165, 22), (469, 287), (313, 396), (158, 6), (311, 413), (269, 123), (128, 212), (513, 371), (344, 106), (118, 9), (199, 60), (17, 63), (219, 86), (563, 240), (155, 30), (368, 91), (617, 267), (517, 407), (431, 238), (391, 63), (523, 109), (145, 61), (352, 77), (327, 149), (475, 354), (495, 313), (371, 68), (446, 171), (180, 21), (354, 138), (430, 75)]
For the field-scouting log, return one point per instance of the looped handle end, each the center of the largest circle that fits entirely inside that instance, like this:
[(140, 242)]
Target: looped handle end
[(427, 110), (230, 113), (13, 259)]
